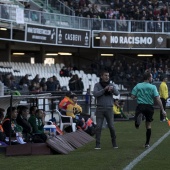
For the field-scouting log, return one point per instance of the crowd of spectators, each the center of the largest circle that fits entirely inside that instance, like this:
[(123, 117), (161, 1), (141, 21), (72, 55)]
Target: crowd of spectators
[(123, 70), (120, 9), (117, 9), (123, 10), (36, 85), (128, 71), (40, 84), (153, 11)]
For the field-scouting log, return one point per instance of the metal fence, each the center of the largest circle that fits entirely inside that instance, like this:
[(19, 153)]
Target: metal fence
[(52, 19), (54, 6)]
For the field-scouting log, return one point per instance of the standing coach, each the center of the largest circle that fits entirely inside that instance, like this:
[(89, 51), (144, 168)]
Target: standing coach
[(103, 92)]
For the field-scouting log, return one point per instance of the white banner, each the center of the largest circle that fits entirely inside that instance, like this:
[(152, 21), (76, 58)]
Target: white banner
[(19, 16)]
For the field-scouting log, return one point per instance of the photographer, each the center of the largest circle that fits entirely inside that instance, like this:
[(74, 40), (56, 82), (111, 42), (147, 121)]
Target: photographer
[(118, 109), (103, 92)]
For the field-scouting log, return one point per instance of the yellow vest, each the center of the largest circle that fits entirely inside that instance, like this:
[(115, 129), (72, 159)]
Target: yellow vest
[(163, 90), (116, 110)]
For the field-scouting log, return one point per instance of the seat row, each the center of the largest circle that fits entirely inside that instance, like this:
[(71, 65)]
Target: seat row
[(46, 71)]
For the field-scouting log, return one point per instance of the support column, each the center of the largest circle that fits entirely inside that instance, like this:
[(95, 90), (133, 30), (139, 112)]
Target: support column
[(39, 58), (8, 52)]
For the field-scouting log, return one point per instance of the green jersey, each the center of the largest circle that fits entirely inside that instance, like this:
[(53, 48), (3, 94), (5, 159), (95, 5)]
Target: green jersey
[(145, 93)]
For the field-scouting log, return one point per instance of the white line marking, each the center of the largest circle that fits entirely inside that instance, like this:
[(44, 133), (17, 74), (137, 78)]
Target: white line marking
[(141, 156)]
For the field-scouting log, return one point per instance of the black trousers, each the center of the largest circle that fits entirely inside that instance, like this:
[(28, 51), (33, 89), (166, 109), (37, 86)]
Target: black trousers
[(164, 106)]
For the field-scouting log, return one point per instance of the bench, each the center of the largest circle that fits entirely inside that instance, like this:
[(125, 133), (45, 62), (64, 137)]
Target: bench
[(60, 144)]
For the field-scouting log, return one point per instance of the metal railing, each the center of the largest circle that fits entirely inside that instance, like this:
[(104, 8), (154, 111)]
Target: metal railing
[(51, 19), (55, 6)]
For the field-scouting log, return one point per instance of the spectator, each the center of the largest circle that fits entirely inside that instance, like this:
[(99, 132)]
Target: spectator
[(36, 79), (7, 81), (78, 12), (166, 25), (57, 83), (22, 120), (64, 72), (76, 84), (87, 100), (43, 20), (11, 127), (51, 85), (24, 81), (151, 25), (34, 16), (72, 83), (160, 72), (2, 134), (34, 87), (155, 74), (158, 25), (122, 23), (96, 23), (142, 24), (80, 86), (163, 11), (33, 110), (4, 13), (43, 85), (14, 84), (37, 121)]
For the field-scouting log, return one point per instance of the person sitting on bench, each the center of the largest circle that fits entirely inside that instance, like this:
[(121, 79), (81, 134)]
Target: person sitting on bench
[(62, 105), (37, 121), (11, 128), (74, 110), (22, 120)]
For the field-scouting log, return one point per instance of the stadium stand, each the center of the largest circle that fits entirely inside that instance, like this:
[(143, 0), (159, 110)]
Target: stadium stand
[(119, 69), (122, 73), (19, 70), (140, 19), (54, 6)]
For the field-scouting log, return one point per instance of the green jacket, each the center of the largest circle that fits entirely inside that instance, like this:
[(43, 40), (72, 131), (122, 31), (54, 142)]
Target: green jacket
[(37, 125)]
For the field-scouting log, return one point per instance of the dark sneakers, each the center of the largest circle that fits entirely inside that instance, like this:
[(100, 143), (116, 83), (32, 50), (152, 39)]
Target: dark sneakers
[(115, 147), (147, 146), (97, 147), (138, 120), (114, 144)]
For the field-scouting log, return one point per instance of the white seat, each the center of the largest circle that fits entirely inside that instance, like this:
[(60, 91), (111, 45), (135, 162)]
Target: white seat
[(68, 123)]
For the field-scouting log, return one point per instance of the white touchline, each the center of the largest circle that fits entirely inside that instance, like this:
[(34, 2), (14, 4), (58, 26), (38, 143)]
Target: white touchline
[(141, 156)]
